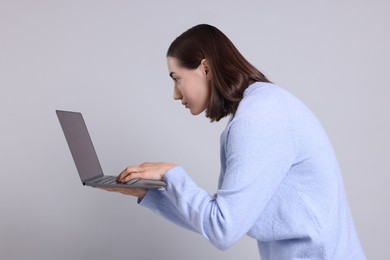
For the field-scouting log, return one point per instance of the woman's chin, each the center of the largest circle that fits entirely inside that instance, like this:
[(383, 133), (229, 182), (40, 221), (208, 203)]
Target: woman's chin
[(196, 112)]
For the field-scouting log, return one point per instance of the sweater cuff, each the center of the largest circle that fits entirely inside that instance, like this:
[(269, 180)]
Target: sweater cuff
[(175, 177), (151, 199)]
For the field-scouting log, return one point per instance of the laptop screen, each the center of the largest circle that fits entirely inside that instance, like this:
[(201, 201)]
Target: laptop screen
[(80, 144)]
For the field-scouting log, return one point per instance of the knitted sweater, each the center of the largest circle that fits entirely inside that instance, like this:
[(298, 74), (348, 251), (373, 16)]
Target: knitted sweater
[(279, 183)]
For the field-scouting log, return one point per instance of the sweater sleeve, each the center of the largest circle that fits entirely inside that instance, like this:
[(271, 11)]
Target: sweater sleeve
[(258, 154), (157, 201)]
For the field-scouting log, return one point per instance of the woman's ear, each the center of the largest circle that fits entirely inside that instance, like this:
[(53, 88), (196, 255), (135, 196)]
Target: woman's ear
[(205, 67)]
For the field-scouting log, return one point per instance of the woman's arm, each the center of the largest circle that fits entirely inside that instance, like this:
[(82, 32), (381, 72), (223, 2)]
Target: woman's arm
[(153, 199)]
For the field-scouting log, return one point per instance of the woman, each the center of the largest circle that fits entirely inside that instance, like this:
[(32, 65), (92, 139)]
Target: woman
[(280, 181)]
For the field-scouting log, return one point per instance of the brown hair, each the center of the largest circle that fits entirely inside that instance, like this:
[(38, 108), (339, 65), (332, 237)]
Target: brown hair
[(230, 72)]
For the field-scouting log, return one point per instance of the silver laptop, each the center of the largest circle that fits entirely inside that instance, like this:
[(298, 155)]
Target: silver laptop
[(85, 157)]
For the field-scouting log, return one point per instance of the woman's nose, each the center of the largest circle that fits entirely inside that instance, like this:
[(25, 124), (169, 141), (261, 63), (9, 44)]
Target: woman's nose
[(177, 94)]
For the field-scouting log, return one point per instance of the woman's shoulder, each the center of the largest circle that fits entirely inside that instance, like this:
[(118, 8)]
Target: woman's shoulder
[(272, 103), (266, 97), (263, 90)]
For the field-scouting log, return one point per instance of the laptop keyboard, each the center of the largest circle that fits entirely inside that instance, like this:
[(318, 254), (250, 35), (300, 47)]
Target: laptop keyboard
[(112, 180), (108, 180)]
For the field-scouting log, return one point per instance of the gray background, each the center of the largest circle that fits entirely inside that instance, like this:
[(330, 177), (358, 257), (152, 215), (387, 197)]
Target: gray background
[(107, 59)]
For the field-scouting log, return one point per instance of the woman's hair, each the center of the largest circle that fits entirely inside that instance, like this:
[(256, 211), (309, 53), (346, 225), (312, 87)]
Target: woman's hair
[(230, 72)]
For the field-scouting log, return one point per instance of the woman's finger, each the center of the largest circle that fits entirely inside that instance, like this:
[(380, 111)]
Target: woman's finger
[(126, 172), (137, 175)]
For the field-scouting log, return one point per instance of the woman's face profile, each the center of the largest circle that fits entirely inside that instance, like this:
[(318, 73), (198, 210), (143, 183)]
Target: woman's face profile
[(191, 86)]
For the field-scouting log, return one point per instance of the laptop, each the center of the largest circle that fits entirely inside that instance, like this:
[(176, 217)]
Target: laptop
[(85, 157)]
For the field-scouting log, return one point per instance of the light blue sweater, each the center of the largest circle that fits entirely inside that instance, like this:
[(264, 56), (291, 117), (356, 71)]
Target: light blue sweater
[(279, 183)]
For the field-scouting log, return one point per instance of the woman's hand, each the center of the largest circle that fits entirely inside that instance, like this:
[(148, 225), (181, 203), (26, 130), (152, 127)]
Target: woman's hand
[(146, 171), (139, 193)]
